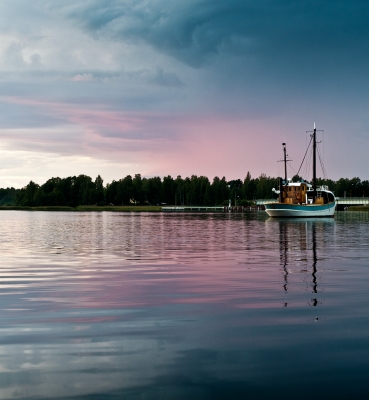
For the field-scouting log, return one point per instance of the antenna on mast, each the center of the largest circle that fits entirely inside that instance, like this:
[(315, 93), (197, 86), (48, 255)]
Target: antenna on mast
[(285, 160)]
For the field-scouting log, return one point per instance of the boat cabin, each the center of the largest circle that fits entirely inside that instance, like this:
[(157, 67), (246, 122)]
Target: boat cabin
[(323, 195), (302, 193), (295, 193)]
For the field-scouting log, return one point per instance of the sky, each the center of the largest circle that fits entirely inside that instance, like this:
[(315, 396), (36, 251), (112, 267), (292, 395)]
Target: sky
[(181, 87)]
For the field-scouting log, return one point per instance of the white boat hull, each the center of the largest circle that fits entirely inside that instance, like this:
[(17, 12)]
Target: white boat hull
[(300, 210)]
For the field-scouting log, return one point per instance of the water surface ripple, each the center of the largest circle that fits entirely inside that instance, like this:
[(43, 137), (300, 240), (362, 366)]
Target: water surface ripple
[(200, 306)]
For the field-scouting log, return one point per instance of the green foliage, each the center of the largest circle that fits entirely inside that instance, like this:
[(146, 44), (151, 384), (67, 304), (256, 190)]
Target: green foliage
[(244, 203), (75, 191), (100, 196), (248, 190), (29, 194), (347, 187), (8, 196), (168, 190), (296, 178)]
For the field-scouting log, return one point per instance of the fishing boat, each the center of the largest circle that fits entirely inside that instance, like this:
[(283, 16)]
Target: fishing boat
[(302, 199)]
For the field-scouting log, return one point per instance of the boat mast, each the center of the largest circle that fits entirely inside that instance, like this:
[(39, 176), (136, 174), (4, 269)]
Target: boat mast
[(314, 164), (285, 182), (285, 163)]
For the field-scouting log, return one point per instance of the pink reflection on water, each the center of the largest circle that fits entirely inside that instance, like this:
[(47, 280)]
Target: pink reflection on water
[(102, 261)]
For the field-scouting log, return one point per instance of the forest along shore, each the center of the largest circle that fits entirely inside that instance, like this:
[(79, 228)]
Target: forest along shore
[(81, 191)]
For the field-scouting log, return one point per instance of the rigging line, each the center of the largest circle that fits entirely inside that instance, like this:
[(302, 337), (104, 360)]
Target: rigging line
[(321, 161), (305, 155), (308, 166), (322, 165), (279, 167), (293, 168)]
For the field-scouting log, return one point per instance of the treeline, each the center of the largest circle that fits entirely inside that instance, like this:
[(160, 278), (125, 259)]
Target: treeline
[(196, 190), (8, 196)]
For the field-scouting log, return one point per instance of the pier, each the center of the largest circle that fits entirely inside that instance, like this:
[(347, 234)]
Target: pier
[(342, 204), (192, 208), (207, 208)]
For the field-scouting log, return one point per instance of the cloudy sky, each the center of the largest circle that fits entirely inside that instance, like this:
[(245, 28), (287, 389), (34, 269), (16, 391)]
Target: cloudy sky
[(180, 87)]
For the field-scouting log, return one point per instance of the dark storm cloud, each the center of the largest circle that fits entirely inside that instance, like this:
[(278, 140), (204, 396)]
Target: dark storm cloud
[(303, 33), (114, 75)]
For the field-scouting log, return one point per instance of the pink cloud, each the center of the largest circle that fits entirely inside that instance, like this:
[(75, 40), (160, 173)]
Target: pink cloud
[(83, 78)]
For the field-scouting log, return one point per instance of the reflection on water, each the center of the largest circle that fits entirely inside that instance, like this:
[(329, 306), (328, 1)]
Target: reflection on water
[(155, 306), (298, 242)]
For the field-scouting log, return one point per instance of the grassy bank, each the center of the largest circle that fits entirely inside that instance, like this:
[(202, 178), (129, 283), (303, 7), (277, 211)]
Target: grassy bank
[(43, 208), (86, 208), (358, 208), (120, 208)]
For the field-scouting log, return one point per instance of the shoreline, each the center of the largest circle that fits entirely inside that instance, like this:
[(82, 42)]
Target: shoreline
[(84, 208), (358, 208), (117, 208)]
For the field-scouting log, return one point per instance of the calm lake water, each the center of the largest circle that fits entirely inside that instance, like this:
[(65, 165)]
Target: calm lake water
[(183, 306)]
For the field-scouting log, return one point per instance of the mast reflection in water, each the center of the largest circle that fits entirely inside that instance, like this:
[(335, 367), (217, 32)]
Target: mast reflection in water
[(298, 247)]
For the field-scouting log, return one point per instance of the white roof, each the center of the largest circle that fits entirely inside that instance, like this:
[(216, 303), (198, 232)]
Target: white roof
[(298, 184)]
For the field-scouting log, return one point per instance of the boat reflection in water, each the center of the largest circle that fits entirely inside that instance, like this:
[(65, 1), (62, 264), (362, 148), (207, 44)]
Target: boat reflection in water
[(301, 247)]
